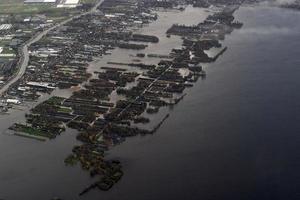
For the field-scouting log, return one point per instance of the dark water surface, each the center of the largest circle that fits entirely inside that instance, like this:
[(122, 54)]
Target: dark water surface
[(234, 136)]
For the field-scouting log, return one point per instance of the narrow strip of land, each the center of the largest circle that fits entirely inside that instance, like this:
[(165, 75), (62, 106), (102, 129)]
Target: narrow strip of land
[(24, 59)]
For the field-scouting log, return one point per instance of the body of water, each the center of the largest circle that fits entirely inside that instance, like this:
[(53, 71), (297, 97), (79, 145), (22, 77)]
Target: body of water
[(234, 136)]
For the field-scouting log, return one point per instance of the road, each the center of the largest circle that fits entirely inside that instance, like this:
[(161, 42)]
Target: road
[(24, 60)]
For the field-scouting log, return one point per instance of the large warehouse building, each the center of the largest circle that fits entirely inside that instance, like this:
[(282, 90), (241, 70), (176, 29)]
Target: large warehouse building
[(60, 3), (68, 3), (40, 1)]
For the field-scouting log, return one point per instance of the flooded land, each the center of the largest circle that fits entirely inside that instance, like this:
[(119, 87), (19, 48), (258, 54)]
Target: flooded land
[(151, 100)]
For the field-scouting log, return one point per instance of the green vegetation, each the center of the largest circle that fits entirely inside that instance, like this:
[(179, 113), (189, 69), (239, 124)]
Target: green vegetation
[(18, 7), (64, 110), (88, 1), (12, 1), (4, 42), (71, 160), (31, 131), (8, 51), (55, 100), (52, 105)]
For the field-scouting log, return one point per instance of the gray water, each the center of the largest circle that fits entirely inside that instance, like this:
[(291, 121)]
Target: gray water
[(234, 136)]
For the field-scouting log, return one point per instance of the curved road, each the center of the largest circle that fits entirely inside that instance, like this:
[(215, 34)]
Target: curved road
[(23, 63)]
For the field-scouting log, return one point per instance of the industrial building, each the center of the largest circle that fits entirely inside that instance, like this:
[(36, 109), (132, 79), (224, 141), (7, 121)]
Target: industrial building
[(5, 26), (59, 3), (68, 4), (40, 1)]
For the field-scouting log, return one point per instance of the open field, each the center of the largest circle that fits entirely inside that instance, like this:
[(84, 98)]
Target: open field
[(18, 7), (88, 1), (11, 1)]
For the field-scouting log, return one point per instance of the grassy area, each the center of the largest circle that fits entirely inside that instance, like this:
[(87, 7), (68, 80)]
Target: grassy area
[(71, 160), (55, 100), (55, 104), (8, 51), (18, 7), (11, 1), (89, 1), (32, 9), (4, 43), (32, 131), (64, 110)]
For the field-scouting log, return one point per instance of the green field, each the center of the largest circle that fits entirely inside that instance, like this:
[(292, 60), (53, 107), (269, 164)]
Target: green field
[(88, 1), (11, 1), (18, 7)]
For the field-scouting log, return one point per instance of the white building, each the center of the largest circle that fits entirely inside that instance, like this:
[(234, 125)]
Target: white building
[(13, 101), (40, 84), (68, 4), (5, 26), (40, 1)]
